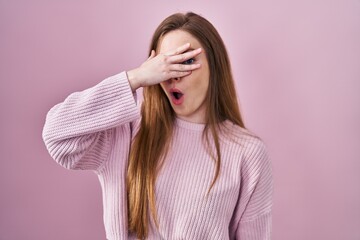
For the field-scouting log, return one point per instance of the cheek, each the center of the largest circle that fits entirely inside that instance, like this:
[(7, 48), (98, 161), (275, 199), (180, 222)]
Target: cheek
[(198, 91), (201, 82)]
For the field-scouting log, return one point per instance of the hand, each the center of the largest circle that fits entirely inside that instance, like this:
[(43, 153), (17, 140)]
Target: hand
[(162, 67)]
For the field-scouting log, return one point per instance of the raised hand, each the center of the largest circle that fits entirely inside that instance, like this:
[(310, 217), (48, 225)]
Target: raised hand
[(164, 66)]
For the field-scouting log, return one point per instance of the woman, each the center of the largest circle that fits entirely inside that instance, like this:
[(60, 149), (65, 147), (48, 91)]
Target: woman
[(180, 164)]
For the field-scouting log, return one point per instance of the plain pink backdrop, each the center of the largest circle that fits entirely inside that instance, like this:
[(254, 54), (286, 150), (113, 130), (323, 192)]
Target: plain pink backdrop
[(297, 70)]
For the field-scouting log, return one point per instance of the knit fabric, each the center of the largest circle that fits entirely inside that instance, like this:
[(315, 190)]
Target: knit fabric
[(93, 129)]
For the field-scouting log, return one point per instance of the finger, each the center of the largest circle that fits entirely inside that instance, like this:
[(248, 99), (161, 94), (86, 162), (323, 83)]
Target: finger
[(184, 67), (184, 56), (178, 50), (176, 74), (152, 54)]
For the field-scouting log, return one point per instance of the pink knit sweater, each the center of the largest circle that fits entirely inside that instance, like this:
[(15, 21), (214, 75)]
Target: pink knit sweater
[(92, 130)]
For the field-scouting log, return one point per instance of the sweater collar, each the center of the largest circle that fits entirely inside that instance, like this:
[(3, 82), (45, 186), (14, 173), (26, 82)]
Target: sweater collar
[(189, 125)]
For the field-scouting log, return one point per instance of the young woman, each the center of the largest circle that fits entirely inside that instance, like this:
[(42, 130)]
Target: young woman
[(180, 164)]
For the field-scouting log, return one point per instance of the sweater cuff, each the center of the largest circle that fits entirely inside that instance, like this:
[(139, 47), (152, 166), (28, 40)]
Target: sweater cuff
[(259, 228)]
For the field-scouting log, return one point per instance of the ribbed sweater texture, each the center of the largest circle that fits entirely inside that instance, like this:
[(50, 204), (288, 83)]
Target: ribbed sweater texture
[(92, 130)]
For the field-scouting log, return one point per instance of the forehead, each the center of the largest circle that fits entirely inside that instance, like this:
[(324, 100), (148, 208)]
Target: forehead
[(175, 39)]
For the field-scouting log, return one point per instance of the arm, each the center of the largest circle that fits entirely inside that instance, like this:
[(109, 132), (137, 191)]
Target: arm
[(79, 131), (253, 220)]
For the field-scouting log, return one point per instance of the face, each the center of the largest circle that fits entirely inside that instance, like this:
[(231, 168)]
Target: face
[(191, 107)]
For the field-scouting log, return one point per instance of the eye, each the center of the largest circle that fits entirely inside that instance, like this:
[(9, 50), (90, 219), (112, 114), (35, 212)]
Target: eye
[(189, 61)]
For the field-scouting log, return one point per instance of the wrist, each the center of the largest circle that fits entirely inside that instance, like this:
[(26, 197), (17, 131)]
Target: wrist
[(133, 79)]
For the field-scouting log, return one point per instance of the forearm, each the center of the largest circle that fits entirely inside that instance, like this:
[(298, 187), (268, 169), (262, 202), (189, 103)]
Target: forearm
[(83, 122)]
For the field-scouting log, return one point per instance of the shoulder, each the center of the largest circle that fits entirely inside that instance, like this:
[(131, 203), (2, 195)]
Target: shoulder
[(253, 147), (233, 132)]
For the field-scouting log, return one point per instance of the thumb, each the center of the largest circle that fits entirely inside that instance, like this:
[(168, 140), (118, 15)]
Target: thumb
[(152, 54)]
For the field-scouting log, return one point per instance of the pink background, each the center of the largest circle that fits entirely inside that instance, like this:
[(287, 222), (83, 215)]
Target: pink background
[(297, 70)]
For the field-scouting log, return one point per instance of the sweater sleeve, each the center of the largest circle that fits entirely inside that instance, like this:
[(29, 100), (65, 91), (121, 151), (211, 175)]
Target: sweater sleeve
[(253, 216), (79, 132)]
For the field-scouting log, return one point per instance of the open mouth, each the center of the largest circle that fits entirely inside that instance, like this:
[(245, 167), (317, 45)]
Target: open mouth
[(177, 96)]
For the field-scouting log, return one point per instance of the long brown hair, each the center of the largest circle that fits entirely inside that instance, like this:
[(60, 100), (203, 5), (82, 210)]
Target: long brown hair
[(151, 143)]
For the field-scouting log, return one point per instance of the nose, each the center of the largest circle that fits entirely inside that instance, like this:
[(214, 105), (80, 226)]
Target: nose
[(175, 79), (172, 80)]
